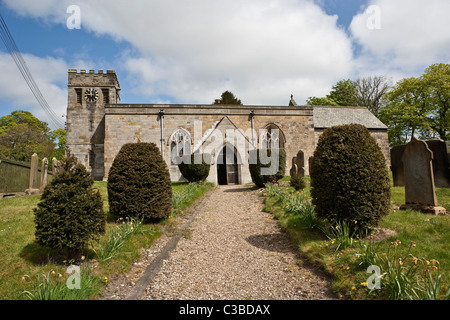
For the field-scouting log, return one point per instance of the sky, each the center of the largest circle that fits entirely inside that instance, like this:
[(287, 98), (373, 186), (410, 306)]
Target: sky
[(190, 51)]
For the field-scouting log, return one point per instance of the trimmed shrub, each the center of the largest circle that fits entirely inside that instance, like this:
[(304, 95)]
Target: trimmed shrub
[(195, 167), (70, 213), (261, 169), (139, 183), (297, 182), (349, 177)]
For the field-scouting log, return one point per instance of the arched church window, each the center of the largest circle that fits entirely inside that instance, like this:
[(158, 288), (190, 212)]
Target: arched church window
[(180, 145), (272, 137)]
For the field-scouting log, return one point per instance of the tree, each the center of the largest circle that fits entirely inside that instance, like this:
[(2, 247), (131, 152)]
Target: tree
[(370, 92), (20, 141), (59, 139), (344, 93), (228, 97), (315, 101), (139, 183), (70, 213), (437, 79), (419, 106), (349, 178), (22, 134), (407, 110), (23, 117)]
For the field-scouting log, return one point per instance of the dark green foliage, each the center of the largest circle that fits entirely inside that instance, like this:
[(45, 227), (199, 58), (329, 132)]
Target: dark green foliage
[(139, 183), (195, 167), (349, 177), (70, 213), (297, 182), (228, 97), (260, 161)]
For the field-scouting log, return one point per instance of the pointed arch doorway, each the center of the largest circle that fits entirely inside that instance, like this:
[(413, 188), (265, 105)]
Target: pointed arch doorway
[(227, 166)]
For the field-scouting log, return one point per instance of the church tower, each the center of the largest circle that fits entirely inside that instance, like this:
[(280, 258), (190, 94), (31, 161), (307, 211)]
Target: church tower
[(88, 93)]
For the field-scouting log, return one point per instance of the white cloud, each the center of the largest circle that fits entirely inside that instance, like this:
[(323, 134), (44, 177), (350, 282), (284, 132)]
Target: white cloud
[(48, 73), (413, 35), (194, 50), (262, 50)]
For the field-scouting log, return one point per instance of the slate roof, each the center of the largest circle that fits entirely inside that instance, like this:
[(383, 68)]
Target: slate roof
[(325, 117)]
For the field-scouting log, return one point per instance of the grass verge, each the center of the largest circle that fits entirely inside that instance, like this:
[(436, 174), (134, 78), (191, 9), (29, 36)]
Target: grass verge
[(29, 271), (413, 252)]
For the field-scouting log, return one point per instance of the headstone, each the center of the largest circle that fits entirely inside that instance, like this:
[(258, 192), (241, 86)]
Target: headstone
[(44, 174), (33, 187), (56, 166), (294, 169), (298, 164), (397, 165), (420, 192), (300, 161), (441, 162)]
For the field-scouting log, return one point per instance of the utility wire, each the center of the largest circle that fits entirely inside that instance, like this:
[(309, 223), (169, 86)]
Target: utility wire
[(14, 51)]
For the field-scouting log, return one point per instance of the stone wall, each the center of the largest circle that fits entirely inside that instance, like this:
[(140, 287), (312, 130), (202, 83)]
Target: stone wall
[(380, 136), (86, 120), (140, 123), (97, 130)]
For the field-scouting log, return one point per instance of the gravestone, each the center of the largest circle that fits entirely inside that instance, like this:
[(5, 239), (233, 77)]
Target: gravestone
[(44, 174), (397, 165), (33, 187), (56, 166), (441, 162), (298, 165), (420, 192)]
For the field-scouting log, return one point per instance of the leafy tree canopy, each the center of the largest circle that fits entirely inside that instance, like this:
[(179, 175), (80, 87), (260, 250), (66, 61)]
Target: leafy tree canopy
[(22, 134), (419, 106)]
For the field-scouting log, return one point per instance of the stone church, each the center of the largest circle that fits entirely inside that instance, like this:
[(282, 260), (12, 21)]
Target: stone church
[(98, 124)]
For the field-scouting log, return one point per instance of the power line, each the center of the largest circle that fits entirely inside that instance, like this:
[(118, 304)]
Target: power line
[(26, 74)]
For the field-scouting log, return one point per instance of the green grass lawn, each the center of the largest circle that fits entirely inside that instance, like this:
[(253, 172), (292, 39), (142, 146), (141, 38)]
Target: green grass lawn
[(430, 235), (26, 266)]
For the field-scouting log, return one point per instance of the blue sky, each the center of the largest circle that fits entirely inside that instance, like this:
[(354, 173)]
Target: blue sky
[(169, 51)]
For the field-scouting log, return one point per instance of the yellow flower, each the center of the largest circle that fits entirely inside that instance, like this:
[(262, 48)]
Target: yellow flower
[(353, 288), (348, 268), (364, 284)]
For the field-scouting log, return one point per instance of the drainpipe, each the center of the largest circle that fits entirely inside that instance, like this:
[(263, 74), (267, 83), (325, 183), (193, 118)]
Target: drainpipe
[(250, 117), (161, 125)]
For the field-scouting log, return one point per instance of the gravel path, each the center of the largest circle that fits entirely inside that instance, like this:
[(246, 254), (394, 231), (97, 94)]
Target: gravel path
[(229, 250)]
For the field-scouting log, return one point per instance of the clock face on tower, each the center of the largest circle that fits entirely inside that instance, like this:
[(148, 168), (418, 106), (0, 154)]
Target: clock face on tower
[(91, 95)]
